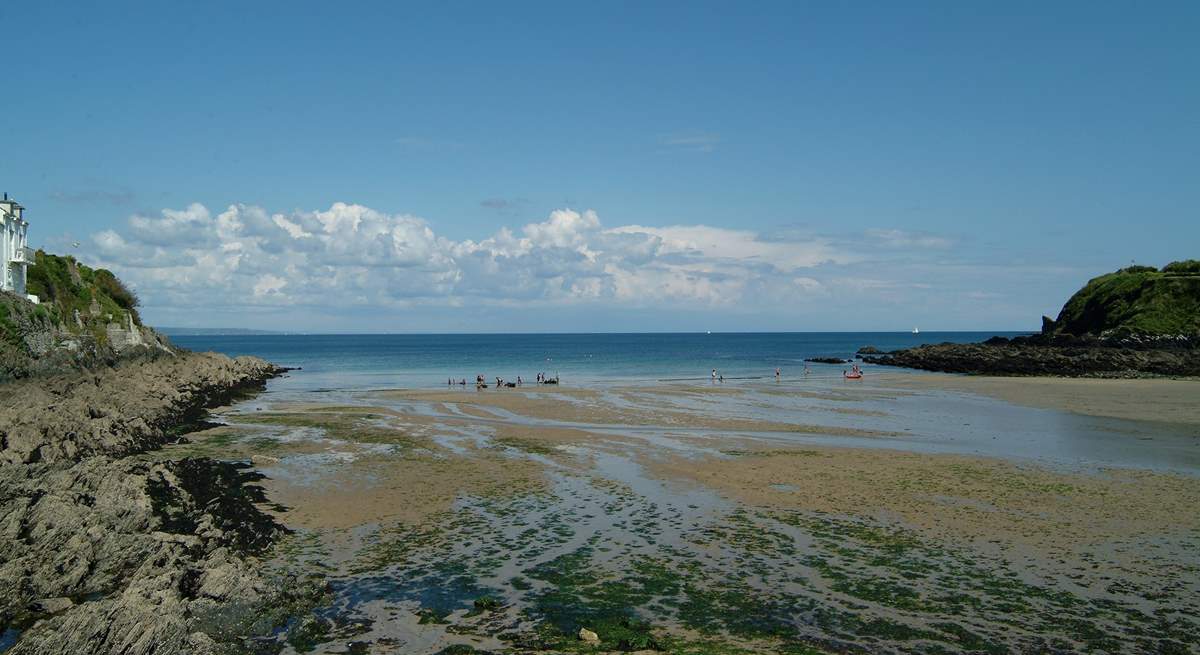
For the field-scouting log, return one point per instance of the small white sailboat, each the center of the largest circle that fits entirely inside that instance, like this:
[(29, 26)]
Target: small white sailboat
[(916, 331)]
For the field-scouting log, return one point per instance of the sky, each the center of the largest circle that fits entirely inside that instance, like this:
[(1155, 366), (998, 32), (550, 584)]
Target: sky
[(493, 167)]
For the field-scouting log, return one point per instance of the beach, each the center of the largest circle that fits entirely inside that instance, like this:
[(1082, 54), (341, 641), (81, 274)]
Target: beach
[(600, 329), (902, 513), (1151, 399)]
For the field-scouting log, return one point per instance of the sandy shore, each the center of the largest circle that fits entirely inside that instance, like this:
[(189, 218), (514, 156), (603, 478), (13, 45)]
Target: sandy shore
[(1175, 401), (715, 443), (847, 502), (662, 407), (947, 497)]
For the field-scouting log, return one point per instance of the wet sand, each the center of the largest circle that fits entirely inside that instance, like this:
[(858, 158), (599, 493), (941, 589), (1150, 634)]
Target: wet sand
[(1175, 401), (660, 408), (948, 497), (565, 505)]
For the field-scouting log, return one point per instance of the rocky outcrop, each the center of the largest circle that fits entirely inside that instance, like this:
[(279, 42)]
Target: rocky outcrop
[(35, 342), (827, 360), (1138, 300), (106, 552), (135, 406), (122, 556), (1005, 357), (1137, 321)]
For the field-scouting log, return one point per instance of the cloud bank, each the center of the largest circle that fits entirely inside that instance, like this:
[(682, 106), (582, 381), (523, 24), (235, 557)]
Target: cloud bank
[(354, 255), (353, 262)]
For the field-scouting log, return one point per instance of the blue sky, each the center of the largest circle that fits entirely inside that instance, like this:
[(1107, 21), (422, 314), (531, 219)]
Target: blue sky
[(607, 166)]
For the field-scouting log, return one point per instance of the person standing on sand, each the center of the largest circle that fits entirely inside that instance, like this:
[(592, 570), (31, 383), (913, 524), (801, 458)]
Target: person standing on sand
[(714, 376)]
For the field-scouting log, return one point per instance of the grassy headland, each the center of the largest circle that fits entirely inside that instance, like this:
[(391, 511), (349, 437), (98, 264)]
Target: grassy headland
[(1135, 300), (1138, 321)]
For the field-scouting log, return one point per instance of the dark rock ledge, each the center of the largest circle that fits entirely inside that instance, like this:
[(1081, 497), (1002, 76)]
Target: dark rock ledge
[(106, 552), (1035, 356)]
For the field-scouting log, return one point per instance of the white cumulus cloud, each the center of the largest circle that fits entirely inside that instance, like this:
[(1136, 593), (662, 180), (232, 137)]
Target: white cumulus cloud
[(351, 256)]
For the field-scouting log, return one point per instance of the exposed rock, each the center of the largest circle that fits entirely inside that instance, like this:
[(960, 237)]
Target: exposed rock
[(827, 360), (869, 350), (129, 408), (1133, 322), (101, 527), (1019, 359), (106, 553), (161, 556), (52, 605), (33, 343)]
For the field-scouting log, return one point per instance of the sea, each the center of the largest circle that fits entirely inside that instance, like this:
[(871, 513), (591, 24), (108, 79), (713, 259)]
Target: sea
[(340, 366), (375, 361)]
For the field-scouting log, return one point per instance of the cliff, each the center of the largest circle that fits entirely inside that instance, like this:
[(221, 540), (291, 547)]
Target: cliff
[(1139, 300), (87, 317)]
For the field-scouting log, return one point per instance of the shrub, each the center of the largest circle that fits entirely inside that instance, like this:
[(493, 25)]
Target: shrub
[(1185, 266), (108, 283)]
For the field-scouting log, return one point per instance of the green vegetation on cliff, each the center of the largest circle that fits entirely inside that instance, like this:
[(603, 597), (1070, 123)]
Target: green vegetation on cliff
[(1137, 299), (83, 318), (64, 285)]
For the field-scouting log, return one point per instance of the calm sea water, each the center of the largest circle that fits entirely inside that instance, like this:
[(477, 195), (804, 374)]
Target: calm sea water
[(350, 361), (338, 366)]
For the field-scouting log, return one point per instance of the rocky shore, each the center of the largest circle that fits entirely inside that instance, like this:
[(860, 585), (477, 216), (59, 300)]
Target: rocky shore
[(106, 551), (1136, 322), (132, 407), (1004, 357)]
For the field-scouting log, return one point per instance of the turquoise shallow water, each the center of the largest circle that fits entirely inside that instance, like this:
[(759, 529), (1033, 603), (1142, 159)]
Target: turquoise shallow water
[(356, 361)]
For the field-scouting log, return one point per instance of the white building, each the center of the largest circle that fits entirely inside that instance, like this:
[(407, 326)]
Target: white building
[(15, 254)]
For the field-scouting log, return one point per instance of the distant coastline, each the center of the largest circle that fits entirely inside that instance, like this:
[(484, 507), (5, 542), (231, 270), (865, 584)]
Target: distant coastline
[(213, 332)]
